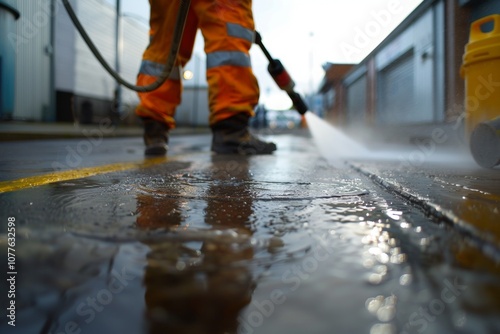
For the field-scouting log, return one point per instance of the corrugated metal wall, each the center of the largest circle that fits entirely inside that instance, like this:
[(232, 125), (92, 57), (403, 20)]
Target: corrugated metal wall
[(397, 90), (79, 74), (7, 61), (64, 40), (99, 21), (356, 101), (135, 41), (409, 77), (76, 72), (33, 67), (406, 74)]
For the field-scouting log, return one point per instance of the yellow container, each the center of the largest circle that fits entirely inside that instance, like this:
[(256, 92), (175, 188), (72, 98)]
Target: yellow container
[(481, 71)]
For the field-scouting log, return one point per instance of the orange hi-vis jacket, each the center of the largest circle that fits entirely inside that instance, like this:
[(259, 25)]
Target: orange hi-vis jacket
[(228, 30)]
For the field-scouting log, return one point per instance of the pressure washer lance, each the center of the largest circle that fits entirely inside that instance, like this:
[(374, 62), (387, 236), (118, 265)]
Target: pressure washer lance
[(281, 77)]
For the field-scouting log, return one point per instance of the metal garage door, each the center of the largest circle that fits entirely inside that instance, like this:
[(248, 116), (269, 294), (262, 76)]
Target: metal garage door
[(356, 101), (396, 91)]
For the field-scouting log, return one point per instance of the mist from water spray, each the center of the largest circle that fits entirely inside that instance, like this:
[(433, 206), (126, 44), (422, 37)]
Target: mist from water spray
[(333, 144), (337, 148)]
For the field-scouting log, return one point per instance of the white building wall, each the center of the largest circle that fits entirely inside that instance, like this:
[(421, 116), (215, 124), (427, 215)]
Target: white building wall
[(357, 101), (33, 61), (7, 61), (135, 40), (64, 53), (90, 77), (77, 70)]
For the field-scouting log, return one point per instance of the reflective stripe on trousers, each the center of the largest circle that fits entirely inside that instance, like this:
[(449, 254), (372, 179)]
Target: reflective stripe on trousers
[(156, 69)]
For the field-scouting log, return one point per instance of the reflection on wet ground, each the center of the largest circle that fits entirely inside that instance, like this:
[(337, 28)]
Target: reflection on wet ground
[(464, 197), (218, 244)]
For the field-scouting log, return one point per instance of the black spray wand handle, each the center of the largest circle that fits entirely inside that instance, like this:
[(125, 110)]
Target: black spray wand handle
[(258, 41), (281, 77)]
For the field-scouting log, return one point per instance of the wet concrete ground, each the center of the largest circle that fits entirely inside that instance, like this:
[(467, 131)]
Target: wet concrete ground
[(284, 243)]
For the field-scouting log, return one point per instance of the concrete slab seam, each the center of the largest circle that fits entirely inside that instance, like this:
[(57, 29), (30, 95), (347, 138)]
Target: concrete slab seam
[(481, 240)]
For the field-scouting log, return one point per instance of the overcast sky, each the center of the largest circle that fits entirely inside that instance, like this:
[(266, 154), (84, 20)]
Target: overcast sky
[(306, 34)]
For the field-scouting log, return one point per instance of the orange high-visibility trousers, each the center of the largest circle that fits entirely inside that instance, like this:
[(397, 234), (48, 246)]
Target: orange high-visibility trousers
[(228, 30)]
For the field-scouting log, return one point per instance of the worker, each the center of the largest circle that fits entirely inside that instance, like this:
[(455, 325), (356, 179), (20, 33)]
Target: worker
[(228, 30)]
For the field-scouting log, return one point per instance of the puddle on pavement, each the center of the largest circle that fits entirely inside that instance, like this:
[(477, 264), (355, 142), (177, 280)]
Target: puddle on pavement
[(170, 250)]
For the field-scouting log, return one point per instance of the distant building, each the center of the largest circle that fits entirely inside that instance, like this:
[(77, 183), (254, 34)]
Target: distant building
[(413, 77), (332, 90), (57, 78)]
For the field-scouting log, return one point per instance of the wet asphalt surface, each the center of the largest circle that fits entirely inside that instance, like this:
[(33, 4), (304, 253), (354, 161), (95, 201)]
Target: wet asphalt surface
[(283, 243)]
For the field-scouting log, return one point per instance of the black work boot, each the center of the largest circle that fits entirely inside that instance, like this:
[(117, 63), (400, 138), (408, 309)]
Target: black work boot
[(231, 136), (155, 137)]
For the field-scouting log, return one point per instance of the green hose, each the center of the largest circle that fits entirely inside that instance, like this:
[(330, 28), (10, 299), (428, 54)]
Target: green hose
[(169, 62)]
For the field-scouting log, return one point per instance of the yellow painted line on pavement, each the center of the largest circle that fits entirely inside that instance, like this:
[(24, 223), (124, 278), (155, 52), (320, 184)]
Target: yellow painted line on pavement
[(74, 174)]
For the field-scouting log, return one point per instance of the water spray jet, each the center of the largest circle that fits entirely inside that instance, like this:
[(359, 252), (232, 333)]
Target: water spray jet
[(324, 134)]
